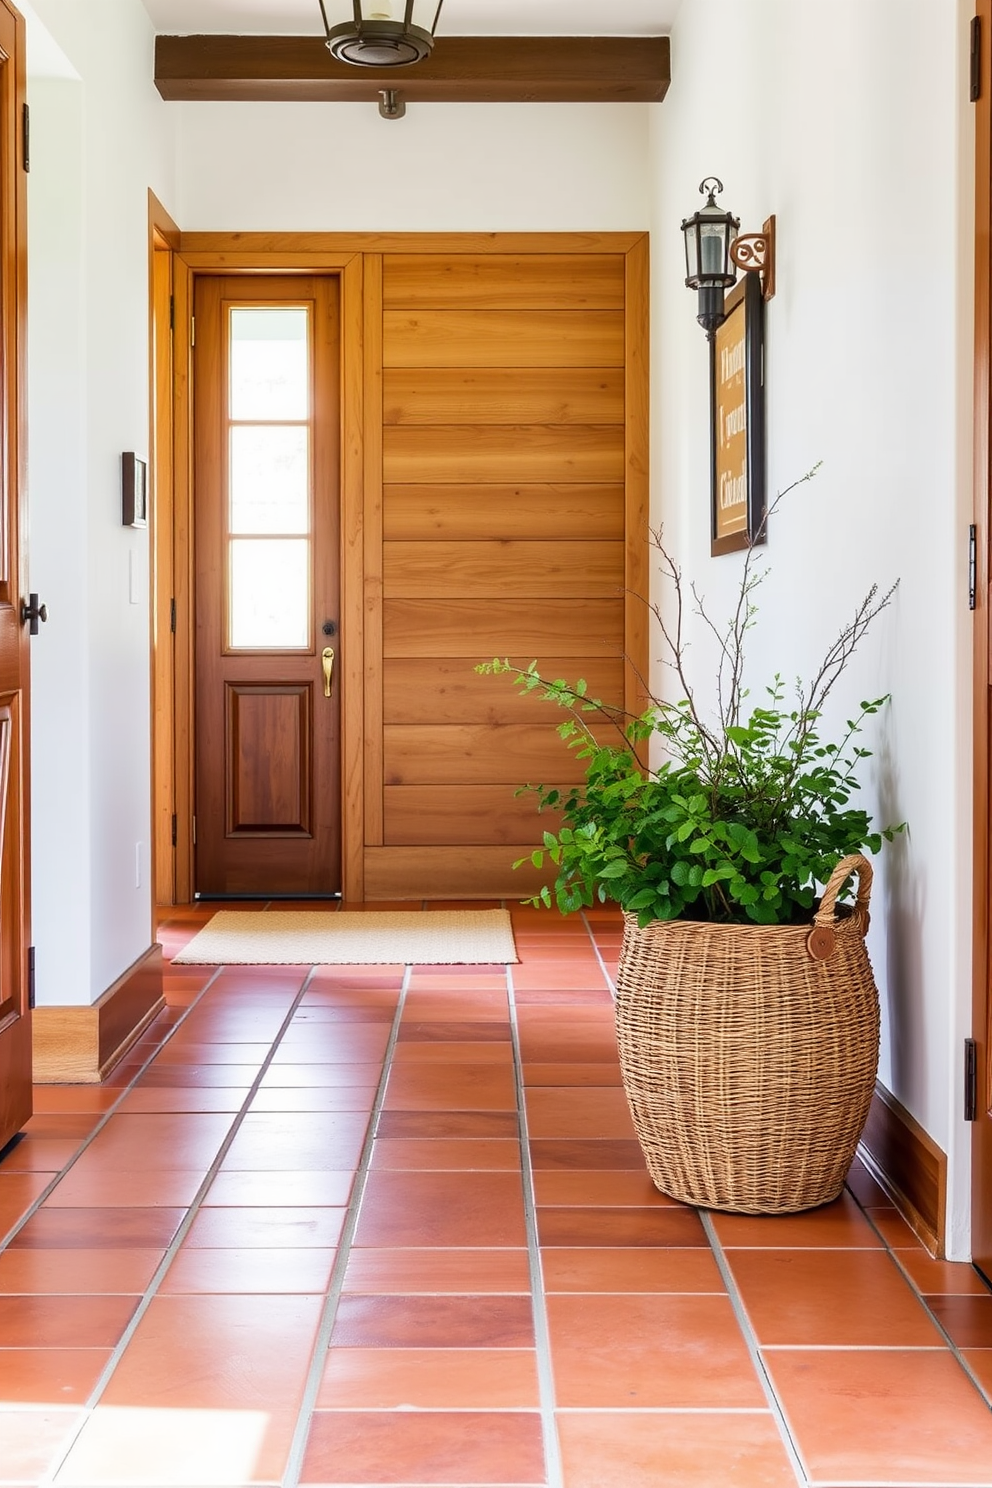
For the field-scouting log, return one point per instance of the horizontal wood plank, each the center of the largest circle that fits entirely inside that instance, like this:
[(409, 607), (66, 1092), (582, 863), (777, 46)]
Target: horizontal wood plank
[(503, 338), (320, 250), (503, 395), (491, 454), (483, 628), (479, 754), (461, 69), (432, 690), (482, 815), (450, 873), (556, 281), (579, 570), (541, 510)]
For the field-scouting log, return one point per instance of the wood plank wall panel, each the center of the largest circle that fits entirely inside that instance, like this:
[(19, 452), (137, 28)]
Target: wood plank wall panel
[(505, 461)]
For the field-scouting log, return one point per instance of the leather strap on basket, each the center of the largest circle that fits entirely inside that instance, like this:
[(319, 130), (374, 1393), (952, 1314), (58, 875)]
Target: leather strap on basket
[(822, 939)]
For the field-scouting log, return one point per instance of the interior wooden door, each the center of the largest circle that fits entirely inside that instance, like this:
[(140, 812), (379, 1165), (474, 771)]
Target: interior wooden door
[(266, 436), (15, 1027)]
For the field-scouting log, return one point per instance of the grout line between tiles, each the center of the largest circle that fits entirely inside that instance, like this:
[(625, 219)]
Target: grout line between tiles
[(958, 1355), (599, 956), (335, 1286), (178, 1238), (126, 1090), (542, 1332), (751, 1343)]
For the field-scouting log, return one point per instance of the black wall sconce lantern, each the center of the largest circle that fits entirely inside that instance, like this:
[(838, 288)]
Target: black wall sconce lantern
[(714, 252), (384, 33)]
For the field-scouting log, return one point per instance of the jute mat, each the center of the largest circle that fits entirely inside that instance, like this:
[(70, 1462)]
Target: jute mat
[(321, 937)]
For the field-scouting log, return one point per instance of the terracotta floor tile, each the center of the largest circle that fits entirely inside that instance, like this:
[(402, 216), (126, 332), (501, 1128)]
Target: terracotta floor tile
[(180, 1050), (297, 1141), (182, 1140), (18, 1192), (587, 1190), (572, 1074), (64, 1322), (662, 1225), (968, 1320), (648, 1449), (838, 1224), (352, 1043), (32, 1440), (587, 1154), (429, 1379), (464, 1031), (39, 1155), (431, 1124), (408, 1153), (831, 1298), (273, 1190), (247, 1270), (437, 1271), (478, 1087), (48, 1376), (942, 1277), (58, 1125), (324, 1014), (590, 1112), (864, 1188), (285, 1227), (38, 1272), (234, 1077), (93, 1229), (424, 1447), (443, 1209), (53, 1098), (631, 1269), (147, 1099), (312, 1098), (566, 1041), (882, 1415), (552, 996), (644, 1352), (424, 1051), (894, 1230), (434, 1322), (321, 1076), (86, 1187)]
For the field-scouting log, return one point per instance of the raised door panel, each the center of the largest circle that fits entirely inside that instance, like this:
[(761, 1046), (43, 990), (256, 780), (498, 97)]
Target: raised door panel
[(500, 281), (508, 338), (479, 511), (269, 747)]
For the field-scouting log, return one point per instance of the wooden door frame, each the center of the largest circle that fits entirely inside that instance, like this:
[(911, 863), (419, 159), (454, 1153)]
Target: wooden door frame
[(982, 839), (356, 258)]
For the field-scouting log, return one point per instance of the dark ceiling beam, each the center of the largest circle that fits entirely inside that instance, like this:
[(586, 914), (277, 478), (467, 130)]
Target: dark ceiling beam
[(461, 69)]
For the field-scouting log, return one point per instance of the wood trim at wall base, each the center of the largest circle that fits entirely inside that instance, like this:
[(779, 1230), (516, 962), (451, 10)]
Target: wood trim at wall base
[(909, 1166), (81, 1045)]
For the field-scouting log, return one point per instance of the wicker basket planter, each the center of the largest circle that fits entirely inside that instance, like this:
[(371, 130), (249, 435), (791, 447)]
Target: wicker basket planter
[(749, 1053)]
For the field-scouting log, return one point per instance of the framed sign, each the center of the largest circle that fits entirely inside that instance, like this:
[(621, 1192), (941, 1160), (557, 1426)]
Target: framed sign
[(737, 422)]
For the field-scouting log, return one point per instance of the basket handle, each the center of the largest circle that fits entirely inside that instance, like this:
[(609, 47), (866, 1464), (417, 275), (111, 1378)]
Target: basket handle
[(822, 938)]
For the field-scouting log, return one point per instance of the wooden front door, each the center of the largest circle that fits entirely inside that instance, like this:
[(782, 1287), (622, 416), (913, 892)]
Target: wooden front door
[(266, 358), (15, 1026)]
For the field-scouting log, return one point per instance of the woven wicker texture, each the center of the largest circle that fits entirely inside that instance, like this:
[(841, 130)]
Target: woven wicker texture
[(749, 1061)]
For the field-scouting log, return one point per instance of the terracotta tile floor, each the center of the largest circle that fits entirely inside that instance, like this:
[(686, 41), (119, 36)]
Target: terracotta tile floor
[(292, 1242)]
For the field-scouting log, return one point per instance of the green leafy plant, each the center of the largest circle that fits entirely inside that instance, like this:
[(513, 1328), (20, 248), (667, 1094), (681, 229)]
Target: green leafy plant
[(747, 812)]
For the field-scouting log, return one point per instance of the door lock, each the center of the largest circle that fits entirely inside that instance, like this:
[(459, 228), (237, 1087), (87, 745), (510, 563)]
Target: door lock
[(32, 612), (327, 660)]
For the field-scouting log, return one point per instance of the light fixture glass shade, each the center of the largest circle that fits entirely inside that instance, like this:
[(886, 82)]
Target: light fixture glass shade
[(707, 235), (383, 33)]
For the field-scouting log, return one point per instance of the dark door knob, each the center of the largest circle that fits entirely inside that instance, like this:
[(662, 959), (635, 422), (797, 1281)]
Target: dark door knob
[(32, 612)]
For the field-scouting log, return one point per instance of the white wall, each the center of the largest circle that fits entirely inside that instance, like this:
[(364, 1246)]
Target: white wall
[(444, 167), (850, 122), (100, 136)]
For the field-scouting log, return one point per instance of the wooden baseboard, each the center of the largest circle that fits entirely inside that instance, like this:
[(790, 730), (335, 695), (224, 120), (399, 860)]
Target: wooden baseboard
[(81, 1045), (909, 1165)]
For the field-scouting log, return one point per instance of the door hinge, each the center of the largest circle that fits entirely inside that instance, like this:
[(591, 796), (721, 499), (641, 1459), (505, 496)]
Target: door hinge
[(175, 829), (172, 615), (970, 1080), (172, 312), (194, 831), (31, 982), (972, 566), (975, 91), (192, 330), (26, 136)]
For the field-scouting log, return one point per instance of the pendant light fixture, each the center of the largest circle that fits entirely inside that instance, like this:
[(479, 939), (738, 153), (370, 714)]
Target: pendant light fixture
[(384, 33)]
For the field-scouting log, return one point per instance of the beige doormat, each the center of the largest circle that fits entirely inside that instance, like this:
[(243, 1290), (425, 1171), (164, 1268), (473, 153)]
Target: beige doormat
[(327, 937)]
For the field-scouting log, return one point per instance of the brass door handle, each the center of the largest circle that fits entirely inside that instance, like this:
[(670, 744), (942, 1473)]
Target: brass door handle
[(327, 659)]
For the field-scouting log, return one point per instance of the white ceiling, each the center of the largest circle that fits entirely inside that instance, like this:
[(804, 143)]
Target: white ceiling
[(458, 17)]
